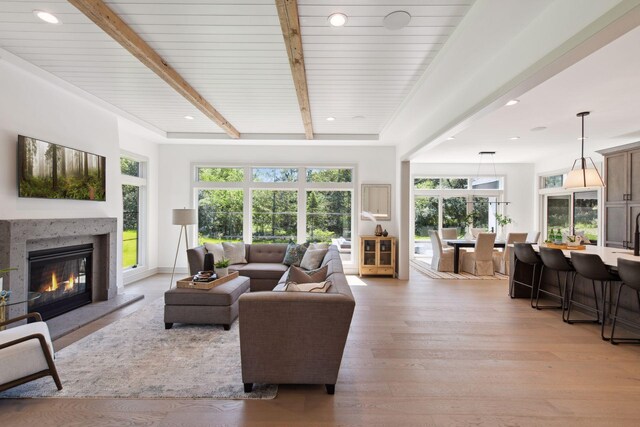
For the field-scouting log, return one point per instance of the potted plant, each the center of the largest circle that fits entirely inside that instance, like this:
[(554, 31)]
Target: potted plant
[(503, 221), (3, 271), (222, 267)]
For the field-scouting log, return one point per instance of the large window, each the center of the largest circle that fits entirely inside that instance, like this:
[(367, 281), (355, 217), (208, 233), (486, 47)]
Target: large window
[(265, 204), (133, 191)]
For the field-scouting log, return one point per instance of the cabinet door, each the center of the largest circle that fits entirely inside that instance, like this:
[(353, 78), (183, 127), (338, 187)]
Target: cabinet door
[(634, 175), (368, 251), (616, 177), (385, 254), (615, 225)]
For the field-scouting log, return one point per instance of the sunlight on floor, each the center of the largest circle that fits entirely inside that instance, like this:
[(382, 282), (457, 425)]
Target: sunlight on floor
[(355, 281)]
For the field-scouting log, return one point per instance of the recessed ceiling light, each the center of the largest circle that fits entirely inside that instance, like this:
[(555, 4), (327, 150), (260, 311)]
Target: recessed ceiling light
[(337, 19), (357, 117), (538, 129), (330, 119), (396, 20), (512, 102), (188, 117), (513, 138), (46, 16), (450, 138)]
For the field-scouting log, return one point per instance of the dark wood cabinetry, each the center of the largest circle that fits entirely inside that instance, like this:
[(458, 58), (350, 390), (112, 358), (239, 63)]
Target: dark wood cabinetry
[(621, 195)]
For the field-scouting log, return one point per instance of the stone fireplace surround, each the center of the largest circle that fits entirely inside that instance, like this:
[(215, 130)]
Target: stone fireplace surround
[(20, 236)]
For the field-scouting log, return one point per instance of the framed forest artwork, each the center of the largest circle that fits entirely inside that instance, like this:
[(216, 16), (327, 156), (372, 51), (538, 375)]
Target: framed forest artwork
[(52, 171)]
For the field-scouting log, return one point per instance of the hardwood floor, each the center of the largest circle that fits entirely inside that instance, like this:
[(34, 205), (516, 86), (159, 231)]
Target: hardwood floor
[(422, 352)]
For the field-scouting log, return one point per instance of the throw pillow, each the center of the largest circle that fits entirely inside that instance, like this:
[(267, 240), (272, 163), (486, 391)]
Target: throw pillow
[(216, 249), (234, 252), (299, 275), (319, 287), (294, 254), (313, 258), (318, 246)]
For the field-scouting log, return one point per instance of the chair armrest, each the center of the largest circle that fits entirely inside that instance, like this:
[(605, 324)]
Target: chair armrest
[(35, 315), (39, 337)]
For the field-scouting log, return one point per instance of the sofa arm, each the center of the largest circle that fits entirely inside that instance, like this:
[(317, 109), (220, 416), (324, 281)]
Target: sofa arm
[(293, 337)]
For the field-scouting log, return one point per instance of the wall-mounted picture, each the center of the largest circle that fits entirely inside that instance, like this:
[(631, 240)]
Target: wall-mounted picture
[(52, 171)]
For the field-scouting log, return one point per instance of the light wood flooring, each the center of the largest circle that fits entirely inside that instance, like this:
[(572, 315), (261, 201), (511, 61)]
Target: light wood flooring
[(422, 352)]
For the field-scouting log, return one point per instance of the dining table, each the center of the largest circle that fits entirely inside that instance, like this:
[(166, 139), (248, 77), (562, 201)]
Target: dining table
[(456, 244)]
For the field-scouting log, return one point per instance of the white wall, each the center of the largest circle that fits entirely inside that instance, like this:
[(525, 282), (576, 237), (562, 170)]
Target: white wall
[(519, 186), (374, 165)]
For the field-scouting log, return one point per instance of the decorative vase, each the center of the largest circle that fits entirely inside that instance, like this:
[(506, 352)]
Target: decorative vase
[(385, 233), (378, 230), (221, 272)]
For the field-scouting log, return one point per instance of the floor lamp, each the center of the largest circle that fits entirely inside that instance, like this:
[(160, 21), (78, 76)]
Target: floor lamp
[(182, 217)]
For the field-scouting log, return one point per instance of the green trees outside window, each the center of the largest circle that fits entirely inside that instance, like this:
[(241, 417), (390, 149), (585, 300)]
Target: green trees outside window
[(220, 215), (328, 215), (275, 216), (130, 225)]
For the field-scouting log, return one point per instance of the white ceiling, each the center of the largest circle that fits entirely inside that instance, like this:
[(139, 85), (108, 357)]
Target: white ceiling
[(607, 83), (234, 55)]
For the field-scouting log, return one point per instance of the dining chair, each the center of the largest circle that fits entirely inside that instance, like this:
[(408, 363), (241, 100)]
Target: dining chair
[(629, 272), (475, 231), (480, 261), (533, 237), (501, 258), (449, 233), (442, 259)]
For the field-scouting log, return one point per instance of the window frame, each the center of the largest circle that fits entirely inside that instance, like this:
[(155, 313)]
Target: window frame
[(141, 182), (301, 185)]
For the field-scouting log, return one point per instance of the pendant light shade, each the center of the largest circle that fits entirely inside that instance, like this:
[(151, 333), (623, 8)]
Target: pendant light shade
[(584, 172)]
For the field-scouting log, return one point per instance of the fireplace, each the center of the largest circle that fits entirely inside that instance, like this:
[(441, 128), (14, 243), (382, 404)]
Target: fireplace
[(63, 277)]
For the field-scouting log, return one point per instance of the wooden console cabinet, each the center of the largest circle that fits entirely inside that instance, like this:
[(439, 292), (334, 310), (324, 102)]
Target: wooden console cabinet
[(377, 256)]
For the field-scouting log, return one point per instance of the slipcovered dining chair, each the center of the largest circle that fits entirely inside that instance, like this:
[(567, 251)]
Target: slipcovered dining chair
[(533, 237), (501, 258), (449, 233), (480, 262), (26, 353), (442, 259), (475, 231)]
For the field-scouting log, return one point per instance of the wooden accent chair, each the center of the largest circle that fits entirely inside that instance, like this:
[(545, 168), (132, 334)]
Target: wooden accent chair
[(26, 353)]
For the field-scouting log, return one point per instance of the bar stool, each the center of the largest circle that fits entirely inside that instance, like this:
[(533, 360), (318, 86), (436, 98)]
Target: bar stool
[(554, 259), (591, 267), (524, 254), (629, 272)]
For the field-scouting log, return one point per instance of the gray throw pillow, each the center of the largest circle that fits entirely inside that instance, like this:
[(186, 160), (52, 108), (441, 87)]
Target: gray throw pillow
[(313, 258), (320, 287), (298, 275), (294, 254)]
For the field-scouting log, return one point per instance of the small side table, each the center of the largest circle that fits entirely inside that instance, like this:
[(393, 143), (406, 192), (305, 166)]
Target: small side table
[(31, 296)]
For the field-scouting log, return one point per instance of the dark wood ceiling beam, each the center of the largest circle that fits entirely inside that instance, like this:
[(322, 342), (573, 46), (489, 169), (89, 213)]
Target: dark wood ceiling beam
[(114, 26), (290, 23)]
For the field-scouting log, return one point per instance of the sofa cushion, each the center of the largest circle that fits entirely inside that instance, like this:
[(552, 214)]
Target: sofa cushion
[(225, 294), (216, 249), (260, 270), (313, 258), (294, 254), (272, 252), (235, 252)]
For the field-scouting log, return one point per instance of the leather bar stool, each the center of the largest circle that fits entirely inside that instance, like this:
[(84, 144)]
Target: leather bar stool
[(591, 267), (629, 272), (524, 254), (554, 259)]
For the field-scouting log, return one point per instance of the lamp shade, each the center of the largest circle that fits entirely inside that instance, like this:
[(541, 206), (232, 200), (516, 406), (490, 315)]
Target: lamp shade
[(185, 216), (581, 178)]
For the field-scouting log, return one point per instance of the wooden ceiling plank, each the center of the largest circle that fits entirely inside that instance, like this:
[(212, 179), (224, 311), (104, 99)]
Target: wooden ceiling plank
[(113, 25), (290, 23)]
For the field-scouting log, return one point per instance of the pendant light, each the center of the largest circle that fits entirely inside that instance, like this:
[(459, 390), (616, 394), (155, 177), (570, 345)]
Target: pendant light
[(583, 174)]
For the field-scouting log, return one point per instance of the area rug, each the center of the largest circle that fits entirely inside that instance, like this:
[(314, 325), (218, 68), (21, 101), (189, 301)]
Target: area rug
[(426, 269), (136, 357)]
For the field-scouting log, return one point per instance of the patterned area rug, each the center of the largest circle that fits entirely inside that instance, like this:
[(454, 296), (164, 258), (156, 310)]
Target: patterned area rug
[(425, 268), (136, 357)]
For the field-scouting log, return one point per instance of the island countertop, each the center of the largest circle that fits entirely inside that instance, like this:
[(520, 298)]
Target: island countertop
[(608, 255)]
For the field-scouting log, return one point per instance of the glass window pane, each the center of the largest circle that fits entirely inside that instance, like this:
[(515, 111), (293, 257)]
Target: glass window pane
[(220, 215), (329, 175), (486, 183), (585, 214), (329, 219), (130, 225), (129, 167), (558, 213), (274, 216), (454, 183), (426, 183), (554, 181), (484, 212), (275, 175), (220, 174), (426, 219), (454, 214)]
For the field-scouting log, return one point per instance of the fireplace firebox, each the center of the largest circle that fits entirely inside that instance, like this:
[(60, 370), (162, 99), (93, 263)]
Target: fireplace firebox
[(63, 277)]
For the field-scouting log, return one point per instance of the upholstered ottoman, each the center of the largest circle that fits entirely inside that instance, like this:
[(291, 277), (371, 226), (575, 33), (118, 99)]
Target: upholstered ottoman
[(215, 306)]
